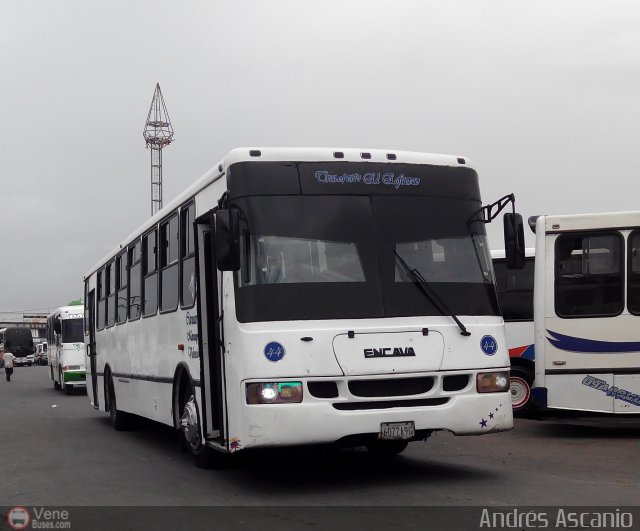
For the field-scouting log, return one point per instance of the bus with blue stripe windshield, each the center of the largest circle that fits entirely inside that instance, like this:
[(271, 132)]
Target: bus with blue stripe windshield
[(298, 296)]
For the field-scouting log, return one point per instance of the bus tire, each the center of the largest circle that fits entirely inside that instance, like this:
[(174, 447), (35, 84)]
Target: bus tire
[(189, 426), (387, 448), (119, 419), (56, 385), (521, 381)]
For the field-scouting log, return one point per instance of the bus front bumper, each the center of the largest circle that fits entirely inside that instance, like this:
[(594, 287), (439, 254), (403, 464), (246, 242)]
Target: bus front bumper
[(323, 421), (75, 378)]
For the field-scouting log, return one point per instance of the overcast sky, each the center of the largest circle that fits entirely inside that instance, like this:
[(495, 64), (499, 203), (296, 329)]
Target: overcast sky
[(542, 96)]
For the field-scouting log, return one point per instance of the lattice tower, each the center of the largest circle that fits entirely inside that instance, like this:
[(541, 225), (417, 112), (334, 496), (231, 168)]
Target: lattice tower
[(158, 133)]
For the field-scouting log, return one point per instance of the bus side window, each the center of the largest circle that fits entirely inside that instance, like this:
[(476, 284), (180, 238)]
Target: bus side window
[(169, 264), (110, 278), (121, 288), (150, 273), (187, 256), (633, 279), (515, 287), (134, 274), (100, 306), (589, 275)]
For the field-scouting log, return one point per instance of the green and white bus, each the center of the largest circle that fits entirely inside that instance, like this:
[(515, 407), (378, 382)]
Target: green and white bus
[(66, 348)]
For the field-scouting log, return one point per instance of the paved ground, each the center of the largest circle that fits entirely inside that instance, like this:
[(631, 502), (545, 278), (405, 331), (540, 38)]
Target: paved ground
[(70, 455)]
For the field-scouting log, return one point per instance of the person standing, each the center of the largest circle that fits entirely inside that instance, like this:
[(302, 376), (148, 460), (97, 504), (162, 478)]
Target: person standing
[(8, 364)]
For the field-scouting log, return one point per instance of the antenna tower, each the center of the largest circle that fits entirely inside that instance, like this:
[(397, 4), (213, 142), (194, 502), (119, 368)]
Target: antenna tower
[(158, 133)]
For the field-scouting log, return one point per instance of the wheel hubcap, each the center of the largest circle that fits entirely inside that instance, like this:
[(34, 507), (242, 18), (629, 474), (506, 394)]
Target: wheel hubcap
[(189, 423), (520, 392)]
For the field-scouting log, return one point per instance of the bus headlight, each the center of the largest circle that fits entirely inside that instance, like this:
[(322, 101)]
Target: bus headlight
[(492, 382), (274, 392)]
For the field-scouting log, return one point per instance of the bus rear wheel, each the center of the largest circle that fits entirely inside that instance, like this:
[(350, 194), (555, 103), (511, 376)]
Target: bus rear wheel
[(521, 380), (189, 426), (119, 419), (387, 448), (56, 385)]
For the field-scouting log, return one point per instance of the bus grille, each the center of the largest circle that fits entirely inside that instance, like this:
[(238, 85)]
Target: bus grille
[(391, 387), (388, 404)]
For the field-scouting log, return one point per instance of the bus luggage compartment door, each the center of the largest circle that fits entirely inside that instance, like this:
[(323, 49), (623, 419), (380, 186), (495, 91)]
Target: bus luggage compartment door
[(386, 353), (627, 398), (582, 392)]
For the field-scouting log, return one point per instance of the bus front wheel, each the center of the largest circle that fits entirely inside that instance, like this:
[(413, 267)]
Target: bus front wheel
[(189, 425), (56, 385), (521, 380)]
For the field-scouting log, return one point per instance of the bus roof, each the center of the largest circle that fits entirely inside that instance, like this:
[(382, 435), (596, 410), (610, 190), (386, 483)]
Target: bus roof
[(602, 220), (66, 312), (270, 154)]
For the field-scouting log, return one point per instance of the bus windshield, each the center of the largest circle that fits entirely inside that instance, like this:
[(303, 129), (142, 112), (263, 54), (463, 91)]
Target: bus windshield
[(72, 331), (17, 337), (334, 257)]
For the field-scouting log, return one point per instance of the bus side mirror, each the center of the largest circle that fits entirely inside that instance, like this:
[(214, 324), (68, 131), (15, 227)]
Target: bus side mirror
[(514, 241), (227, 240), (57, 325)]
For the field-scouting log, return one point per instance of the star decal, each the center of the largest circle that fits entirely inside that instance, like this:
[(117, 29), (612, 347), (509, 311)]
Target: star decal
[(490, 415), (483, 423)]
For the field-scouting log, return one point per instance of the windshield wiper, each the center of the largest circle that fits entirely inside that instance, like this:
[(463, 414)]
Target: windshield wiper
[(430, 293)]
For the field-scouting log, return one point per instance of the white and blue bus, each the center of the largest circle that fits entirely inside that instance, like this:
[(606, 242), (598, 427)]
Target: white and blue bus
[(587, 313), (301, 296), (65, 350)]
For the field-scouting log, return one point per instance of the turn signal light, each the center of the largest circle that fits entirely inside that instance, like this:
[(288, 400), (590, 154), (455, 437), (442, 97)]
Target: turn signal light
[(274, 393), (493, 382)]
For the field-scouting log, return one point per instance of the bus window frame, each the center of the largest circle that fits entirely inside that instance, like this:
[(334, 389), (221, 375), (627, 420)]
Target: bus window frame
[(161, 257), (183, 257), (635, 232), (101, 298), (145, 274), (130, 248), (110, 267), (623, 278), (500, 294), (119, 286)]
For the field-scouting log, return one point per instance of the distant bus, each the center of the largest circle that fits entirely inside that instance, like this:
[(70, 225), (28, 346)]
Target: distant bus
[(65, 339), (19, 341), (587, 313), (303, 296), (515, 289), (41, 354)]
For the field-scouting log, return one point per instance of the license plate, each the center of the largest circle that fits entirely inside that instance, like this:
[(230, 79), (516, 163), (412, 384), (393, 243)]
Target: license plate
[(397, 430)]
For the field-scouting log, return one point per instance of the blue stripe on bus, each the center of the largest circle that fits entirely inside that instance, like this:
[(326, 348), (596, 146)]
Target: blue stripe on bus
[(579, 344)]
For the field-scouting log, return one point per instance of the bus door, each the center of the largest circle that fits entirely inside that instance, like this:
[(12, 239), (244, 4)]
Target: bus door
[(585, 322), (210, 344), (91, 347)]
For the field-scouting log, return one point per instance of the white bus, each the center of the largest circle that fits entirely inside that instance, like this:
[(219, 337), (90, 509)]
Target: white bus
[(515, 291), (65, 338), (301, 296), (587, 312)]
